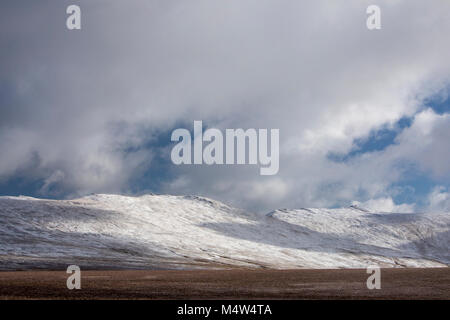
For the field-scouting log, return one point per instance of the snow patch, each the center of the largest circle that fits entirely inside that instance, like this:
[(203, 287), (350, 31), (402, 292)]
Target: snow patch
[(177, 232)]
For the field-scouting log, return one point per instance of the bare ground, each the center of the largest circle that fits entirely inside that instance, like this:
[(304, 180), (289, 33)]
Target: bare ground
[(433, 283)]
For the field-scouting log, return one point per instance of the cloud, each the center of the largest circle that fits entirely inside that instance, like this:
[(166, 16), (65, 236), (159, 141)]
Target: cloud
[(384, 205), (90, 103), (425, 143), (55, 177), (439, 200)]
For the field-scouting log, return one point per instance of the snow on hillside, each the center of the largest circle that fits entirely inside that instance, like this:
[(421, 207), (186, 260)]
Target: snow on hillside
[(161, 231)]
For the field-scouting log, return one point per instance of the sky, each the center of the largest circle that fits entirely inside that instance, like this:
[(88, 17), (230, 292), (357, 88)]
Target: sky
[(364, 115)]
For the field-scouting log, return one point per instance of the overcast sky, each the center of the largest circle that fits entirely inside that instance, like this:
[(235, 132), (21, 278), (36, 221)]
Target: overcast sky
[(364, 116)]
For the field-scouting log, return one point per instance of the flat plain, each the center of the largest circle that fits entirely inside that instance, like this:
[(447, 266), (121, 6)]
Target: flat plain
[(396, 283)]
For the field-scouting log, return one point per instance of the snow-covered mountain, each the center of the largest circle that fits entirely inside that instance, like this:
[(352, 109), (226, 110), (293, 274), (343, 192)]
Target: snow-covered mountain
[(160, 231)]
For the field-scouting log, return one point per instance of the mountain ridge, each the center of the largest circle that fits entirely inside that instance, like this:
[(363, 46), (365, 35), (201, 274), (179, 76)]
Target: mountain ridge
[(185, 232)]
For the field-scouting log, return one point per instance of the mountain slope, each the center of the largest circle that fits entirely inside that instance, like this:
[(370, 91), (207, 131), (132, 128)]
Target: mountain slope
[(160, 231)]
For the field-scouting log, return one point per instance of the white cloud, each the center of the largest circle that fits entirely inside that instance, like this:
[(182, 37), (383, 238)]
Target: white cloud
[(427, 143), (310, 68), (439, 200), (384, 205)]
